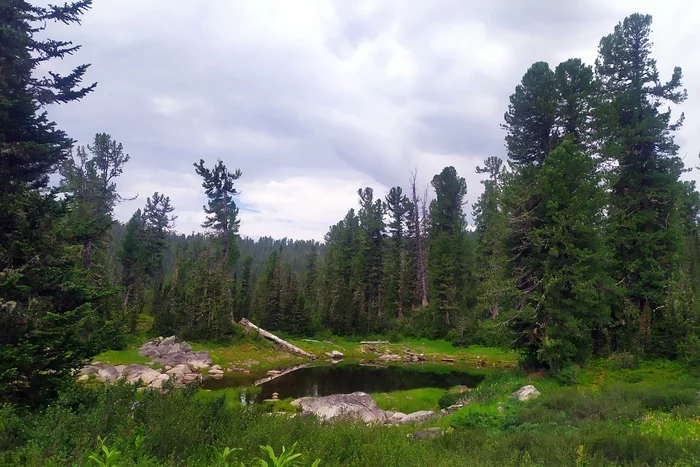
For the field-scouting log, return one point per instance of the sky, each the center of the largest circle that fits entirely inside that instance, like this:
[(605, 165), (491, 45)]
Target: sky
[(313, 99)]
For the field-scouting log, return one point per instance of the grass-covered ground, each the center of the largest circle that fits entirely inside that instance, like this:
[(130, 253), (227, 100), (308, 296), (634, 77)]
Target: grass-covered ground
[(616, 411), (259, 355), (601, 415)]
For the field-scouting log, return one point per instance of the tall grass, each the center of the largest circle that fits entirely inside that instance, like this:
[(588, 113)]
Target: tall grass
[(617, 424)]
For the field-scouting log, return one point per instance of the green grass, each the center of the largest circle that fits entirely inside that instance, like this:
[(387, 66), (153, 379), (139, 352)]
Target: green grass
[(409, 401), (612, 423), (122, 357)]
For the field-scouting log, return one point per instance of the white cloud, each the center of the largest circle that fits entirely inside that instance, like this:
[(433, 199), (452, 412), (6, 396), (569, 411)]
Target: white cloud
[(315, 99)]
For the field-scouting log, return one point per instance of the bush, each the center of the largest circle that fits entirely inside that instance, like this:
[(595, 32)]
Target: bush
[(567, 376), (450, 398)]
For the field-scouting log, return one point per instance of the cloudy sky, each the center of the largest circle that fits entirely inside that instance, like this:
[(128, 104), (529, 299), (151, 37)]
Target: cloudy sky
[(313, 99)]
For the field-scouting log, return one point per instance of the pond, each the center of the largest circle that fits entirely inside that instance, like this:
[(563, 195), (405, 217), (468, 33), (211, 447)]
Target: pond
[(339, 379)]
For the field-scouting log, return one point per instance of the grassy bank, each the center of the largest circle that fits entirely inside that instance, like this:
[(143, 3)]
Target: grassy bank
[(259, 355), (597, 422)]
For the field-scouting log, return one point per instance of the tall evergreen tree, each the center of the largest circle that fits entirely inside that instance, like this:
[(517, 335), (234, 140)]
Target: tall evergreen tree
[(446, 266), (43, 306), (88, 179), (637, 134), (221, 209), (398, 206)]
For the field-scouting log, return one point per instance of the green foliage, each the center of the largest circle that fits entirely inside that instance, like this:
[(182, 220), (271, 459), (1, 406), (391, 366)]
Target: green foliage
[(105, 457), (46, 315)]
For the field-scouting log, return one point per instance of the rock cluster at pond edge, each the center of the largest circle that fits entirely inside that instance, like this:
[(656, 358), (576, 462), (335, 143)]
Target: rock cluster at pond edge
[(356, 405), (178, 358)]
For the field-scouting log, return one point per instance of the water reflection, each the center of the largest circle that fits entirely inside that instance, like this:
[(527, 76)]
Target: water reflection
[(337, 379)]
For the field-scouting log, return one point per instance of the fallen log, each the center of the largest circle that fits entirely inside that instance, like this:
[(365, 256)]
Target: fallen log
[(281, 342), (281, 373)]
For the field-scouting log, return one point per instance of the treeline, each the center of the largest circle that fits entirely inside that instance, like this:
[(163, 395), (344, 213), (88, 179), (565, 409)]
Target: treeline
[(584, 241)]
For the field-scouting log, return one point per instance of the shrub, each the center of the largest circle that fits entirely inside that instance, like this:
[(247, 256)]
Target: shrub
[(450, 398), (567, 376)]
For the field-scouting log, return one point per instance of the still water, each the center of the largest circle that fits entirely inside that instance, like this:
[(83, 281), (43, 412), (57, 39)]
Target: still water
[(345, 378)]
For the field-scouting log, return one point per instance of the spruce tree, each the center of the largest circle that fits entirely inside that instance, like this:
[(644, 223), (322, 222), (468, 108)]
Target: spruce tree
[(635, 130), (446, 260), (398, 206), (222, 212), (44, 306)]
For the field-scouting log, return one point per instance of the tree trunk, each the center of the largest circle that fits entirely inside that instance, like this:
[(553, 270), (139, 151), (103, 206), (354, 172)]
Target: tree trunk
[(281, 342)]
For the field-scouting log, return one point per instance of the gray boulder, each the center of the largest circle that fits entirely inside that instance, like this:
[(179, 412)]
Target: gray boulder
[(525, 393), (134, 373), (416, 417), (357, 405), (108, 373), (171, 352)]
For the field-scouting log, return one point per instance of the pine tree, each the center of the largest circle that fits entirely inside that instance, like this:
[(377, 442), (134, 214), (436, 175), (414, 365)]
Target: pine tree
[(446, 266), (131, 258), (221, 209), (531, 117), (88, 179), (398, 206), (491, 228), (570, 301), (637, 135), (44, 307), (369, 257)]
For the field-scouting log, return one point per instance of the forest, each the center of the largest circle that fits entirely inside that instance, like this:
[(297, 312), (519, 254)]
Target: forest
[(584, 244)]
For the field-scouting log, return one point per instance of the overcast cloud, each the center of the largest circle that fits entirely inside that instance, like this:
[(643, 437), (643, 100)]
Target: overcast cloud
[(313, 99)]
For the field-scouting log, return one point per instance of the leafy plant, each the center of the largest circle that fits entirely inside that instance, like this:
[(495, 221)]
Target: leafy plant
[(222, 456), (107, 457), (287, 458)]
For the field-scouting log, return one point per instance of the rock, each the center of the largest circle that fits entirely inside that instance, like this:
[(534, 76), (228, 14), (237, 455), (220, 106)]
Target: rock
[(171, 352), (158, 382), (448, 359), (90, 370), (337, 355), (358, 405), (215, 367), (396, 417), (273, 372), (133, 373), (233, 369), (178, 370), (167, 367), (192, 378), (170, 340), (84, 377), (429, 433), (215, 372), (390, 357), (453, 408), (526, 393), (419, 416), (108, 373)]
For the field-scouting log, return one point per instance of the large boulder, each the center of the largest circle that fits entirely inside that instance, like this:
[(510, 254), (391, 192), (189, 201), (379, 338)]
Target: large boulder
[(108, 374), (134, 373), (525, 393), (357, 405)]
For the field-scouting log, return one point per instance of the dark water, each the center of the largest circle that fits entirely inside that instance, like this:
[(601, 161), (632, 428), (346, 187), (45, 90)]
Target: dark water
[(325, 380)]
